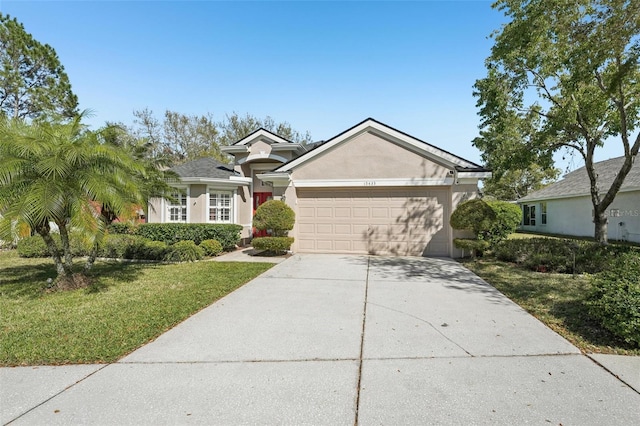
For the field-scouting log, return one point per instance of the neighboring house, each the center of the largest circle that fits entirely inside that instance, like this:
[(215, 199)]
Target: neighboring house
[(565, 207), (370, 189)]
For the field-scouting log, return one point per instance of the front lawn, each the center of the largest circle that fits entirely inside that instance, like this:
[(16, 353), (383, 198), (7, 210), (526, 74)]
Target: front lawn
[(127, 305), (558, 300)]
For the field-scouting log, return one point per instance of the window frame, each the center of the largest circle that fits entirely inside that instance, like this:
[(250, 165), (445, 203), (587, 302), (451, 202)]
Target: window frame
[(225, 202), (182, 194), (529, 215)]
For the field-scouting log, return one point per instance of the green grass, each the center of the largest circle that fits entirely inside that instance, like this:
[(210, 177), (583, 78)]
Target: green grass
[(127, 305), (558, 300)]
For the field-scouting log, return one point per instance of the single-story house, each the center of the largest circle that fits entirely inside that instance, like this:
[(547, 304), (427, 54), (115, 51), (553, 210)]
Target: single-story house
[(565, 207), (370, 189)]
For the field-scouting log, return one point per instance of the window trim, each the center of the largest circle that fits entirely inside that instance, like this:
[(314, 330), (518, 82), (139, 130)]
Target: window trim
[(232, 204), (529, 219), (183, 191)]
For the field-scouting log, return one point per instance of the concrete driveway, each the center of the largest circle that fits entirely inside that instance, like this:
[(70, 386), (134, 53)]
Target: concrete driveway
[(338, 340)]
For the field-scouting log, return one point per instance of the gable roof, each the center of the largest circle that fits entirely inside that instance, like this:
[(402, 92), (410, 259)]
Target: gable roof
[(387, 132), (204, 168), (576, 183), (262, 134)]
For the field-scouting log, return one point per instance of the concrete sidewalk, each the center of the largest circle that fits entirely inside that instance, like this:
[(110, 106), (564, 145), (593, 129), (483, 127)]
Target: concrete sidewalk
[(331, 339)]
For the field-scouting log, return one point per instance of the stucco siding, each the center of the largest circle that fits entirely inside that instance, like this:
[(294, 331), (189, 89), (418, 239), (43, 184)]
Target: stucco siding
[(368, 156), (197, 203), (154, 214)]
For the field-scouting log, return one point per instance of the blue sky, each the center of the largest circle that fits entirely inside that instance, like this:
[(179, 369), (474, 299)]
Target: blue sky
[(321, 66)]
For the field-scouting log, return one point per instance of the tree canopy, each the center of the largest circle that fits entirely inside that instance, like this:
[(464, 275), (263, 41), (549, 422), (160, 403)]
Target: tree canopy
[(182, 137), (515, 183), (563, 74), (33, 82)]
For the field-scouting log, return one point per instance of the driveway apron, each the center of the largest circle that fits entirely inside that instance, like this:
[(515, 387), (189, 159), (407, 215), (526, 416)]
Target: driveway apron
[(343, 340)]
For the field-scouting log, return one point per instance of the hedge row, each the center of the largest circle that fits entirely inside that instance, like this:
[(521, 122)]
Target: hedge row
[(560, 255), (123, 246), (170, 233)]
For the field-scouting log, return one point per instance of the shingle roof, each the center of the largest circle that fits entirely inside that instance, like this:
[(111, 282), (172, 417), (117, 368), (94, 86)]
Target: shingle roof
[(577, 182), (204, 168)]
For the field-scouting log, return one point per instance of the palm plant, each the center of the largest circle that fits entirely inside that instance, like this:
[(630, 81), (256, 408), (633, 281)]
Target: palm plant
[(60, 173)]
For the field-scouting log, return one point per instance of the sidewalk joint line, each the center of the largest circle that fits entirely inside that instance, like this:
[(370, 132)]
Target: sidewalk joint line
[(613, 374), (364, 322), (56, 394)]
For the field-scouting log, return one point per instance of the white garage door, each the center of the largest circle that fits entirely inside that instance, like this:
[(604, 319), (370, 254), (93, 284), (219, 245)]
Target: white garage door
[(395, 221)]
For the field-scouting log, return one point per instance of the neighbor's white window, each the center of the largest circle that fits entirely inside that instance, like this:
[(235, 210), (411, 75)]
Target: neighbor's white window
[(543, 213), (220, 206), (177, 210)]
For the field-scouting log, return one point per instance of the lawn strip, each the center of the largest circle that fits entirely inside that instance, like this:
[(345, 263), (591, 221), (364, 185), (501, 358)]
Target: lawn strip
[(558, 300), (127, 306)]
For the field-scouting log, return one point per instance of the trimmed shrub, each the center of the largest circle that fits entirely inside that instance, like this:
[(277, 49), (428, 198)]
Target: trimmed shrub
[(184, 251), (507, 219), (211, 247), (473, 215), (227, 234), (615, 297), (155, 250), (122, 246), (476, 247), (275, 216), (121, 228), (491, 221), (34, 246), (273, 244)]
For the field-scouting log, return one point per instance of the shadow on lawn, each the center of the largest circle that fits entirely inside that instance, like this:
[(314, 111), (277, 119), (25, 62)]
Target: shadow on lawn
[(30, 281)]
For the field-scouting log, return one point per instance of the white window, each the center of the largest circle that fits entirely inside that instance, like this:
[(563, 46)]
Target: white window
[(543, 213), (220, 207), (177, 210)]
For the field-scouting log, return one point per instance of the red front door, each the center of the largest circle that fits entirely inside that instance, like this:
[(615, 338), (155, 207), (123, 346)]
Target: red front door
[(258, 199)]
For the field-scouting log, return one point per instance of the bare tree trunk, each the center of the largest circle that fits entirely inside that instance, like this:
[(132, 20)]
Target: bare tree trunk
[(66, 244), (44, 231), (600, 221)]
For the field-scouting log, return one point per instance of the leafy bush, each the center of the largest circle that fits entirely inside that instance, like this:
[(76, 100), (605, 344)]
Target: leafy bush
[(122, 246), (476, 247), (557, 255), (184, 251), (155, 250), (615, 297), (507, 219), (276, 216), (211, 247), (34, 246), (473, 215), (122, 228), (227, 234), (273, 244), (491, 221)]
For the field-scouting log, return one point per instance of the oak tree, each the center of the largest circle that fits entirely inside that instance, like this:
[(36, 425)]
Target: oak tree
[(563, 74)]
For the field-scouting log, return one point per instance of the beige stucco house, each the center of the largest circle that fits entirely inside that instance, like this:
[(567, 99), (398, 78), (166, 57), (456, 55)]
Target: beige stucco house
[(370, 189)]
